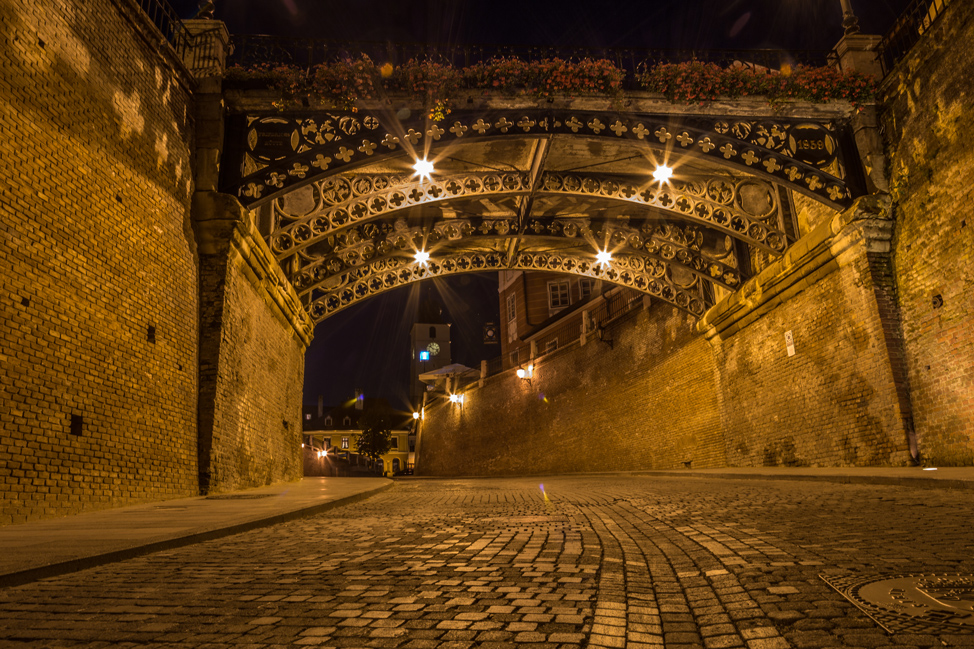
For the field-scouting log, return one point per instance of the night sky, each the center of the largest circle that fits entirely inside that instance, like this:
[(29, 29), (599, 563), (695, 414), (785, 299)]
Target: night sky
[(366, 347)]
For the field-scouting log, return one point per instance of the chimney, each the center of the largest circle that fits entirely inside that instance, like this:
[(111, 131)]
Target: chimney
[(359, 399), (321, 406)]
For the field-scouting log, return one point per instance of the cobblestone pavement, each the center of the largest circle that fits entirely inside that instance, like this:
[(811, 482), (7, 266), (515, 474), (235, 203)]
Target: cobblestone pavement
[(594, 561)]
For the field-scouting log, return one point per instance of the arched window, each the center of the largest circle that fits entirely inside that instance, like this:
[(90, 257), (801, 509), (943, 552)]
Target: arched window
[(395, 465), (432, 332)]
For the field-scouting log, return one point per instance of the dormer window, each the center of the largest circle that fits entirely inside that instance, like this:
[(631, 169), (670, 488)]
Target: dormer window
[(328, 420), (347, 422)]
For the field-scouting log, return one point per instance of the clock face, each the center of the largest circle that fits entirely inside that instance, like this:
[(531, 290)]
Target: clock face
[(433, 349)]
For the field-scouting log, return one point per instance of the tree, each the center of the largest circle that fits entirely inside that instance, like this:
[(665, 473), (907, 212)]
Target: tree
[(376, 438)]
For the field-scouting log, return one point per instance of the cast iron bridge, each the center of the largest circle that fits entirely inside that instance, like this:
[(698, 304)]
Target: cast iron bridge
[(518, 186)]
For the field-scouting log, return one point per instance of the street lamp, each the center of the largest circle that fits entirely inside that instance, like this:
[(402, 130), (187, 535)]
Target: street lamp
[(849, 20)]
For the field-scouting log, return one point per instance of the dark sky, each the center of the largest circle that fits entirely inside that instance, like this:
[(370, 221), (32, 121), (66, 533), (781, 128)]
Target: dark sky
[(367, 346), (785, 24)]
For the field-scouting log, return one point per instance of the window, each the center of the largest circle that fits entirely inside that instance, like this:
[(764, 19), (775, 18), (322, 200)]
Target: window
[(514, 357), (551, 346), (585, 287), (395, 443), (327, 442), (432, 332), (511, 317), (347, 421), (345, 442), (328, 420), (558, 295)]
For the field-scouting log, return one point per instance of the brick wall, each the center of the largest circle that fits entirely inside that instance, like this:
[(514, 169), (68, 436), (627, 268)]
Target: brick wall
[(95, 250), (251, 355), (835, 401), (648, 402), (928, 106)]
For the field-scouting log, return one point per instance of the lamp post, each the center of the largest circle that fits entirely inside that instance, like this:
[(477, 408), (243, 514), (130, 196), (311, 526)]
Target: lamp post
[(849, 20)]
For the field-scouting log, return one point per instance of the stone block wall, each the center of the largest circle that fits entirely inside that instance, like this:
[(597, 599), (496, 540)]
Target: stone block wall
[(649, 402), (927, 119), (98, 279)]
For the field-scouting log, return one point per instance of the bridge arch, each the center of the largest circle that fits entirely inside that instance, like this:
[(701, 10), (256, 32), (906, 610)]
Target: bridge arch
[(533, 189)]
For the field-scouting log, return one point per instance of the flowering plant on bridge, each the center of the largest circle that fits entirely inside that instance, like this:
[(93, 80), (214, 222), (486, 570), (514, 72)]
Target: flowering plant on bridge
[(546, 78), (699, 82), (285, 78), (345, 81), (585, 77), (435, 82)]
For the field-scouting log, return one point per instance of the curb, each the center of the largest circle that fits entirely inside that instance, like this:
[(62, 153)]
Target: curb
[(22, 577)]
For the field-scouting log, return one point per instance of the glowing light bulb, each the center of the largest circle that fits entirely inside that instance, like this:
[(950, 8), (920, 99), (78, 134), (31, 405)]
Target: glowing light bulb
[(415, 415), (521, 374), (424, 168), (663, 174), (454, 398), (603, 257), (422, 257)]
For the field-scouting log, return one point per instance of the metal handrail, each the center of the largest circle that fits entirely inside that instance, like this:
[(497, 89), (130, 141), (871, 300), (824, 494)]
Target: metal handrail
[(916, 20), (249, 50), (166, 20)]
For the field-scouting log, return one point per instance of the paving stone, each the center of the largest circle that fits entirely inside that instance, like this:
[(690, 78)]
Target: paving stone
[(395, 565)]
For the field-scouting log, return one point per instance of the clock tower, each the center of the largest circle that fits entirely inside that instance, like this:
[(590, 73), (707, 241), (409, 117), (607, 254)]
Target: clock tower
[(429, 347)]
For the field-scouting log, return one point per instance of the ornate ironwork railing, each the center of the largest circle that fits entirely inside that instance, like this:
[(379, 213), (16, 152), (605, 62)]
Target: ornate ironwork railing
[(907, 30), (249, 50)]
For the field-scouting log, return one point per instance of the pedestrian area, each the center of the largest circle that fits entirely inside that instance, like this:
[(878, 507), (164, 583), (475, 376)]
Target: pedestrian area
[(600, 561)]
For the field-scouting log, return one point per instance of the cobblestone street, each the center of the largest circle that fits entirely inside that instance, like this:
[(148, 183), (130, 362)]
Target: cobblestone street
[(607, 561)]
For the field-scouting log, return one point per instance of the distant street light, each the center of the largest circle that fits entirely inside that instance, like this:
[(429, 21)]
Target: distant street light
[(422, 257), (603, 257)]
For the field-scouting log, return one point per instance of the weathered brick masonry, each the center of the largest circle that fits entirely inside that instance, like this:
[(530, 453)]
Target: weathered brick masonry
[(837, 400), (98, 305), (928, 117), (253, 335), (649, 401), (111, 390)]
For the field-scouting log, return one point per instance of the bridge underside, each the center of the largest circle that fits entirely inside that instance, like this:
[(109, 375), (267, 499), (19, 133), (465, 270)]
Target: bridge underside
[(345, 212)]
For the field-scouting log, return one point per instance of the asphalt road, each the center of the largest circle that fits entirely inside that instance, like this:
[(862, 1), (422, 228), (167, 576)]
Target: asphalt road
[(594, 561)]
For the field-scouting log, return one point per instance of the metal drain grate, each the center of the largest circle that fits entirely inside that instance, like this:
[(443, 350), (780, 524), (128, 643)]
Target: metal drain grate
[(911, 603)]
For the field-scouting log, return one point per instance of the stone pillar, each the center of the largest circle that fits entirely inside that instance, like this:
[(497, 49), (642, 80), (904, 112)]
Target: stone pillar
[(253, 335), (857, 53), (205, 55)]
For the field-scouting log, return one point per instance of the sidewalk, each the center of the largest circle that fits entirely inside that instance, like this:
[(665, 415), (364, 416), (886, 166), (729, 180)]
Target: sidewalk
[(33, 551), (956, 477)]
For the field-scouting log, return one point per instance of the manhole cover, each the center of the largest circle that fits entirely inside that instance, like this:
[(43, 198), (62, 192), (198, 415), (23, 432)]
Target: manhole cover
[(239, 497), (913, 603)]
